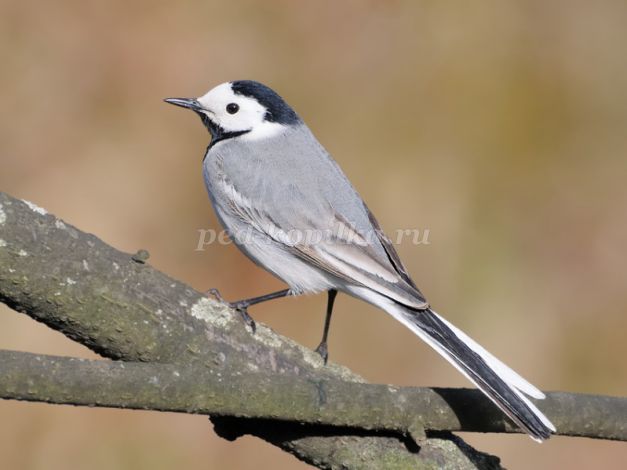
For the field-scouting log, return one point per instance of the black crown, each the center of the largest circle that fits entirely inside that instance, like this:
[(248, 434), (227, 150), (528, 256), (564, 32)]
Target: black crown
[(277, 109)]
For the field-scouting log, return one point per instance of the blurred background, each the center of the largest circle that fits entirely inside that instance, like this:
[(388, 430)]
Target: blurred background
[(499, 127)]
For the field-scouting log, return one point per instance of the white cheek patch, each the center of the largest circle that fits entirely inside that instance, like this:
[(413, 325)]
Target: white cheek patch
[(265, 130), (250, 116)]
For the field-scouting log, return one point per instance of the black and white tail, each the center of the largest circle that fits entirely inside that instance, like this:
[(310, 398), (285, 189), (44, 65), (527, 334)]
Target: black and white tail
[(501, 384)]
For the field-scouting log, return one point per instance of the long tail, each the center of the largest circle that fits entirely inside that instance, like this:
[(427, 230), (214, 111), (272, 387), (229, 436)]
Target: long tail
[(501, 384)]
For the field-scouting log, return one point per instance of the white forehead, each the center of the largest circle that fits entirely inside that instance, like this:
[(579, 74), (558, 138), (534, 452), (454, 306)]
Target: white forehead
[(220, 95)]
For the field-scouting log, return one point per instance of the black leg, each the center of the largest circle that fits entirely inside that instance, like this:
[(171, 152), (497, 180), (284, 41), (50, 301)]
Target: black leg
[(242, 305), (322, 348)]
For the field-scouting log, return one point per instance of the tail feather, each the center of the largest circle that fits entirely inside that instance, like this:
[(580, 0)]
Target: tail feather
[(500, 383), (510, 376)]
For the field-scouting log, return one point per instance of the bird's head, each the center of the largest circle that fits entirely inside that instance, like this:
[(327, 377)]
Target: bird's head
[(241, 108)]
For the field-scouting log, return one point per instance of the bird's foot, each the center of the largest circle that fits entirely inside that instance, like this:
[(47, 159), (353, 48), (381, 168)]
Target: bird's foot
[(323, 350), (215, 293), (241, 308)]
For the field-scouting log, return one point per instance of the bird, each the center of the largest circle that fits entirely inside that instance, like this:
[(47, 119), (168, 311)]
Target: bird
[(290, 208)]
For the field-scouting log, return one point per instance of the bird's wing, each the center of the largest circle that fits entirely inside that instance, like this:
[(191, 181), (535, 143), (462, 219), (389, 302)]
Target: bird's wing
[(356, 259), (316, 232), (390, 251)]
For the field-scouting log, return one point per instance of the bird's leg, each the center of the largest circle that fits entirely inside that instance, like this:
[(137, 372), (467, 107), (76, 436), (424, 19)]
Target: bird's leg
[(242, 305), (322, 348)]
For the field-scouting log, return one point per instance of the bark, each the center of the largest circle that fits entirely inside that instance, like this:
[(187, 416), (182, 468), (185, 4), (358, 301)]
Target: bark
[(399, 411)]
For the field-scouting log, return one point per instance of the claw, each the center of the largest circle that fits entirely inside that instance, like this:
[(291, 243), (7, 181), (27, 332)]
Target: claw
[(242, 310), (323, 350), (215, 293), (240, 307)]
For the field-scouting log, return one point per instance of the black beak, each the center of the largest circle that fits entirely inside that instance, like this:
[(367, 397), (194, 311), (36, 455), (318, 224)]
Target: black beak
[(189, 103), (194, 105)]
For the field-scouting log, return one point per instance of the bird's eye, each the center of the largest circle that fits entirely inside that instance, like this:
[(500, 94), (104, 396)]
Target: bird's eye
[(232, 108)]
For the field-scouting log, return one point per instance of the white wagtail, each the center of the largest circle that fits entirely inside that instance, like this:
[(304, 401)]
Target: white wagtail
[(289, 207)]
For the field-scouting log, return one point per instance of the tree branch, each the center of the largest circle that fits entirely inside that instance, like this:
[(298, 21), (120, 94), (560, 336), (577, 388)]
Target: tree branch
[(329, 402)]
